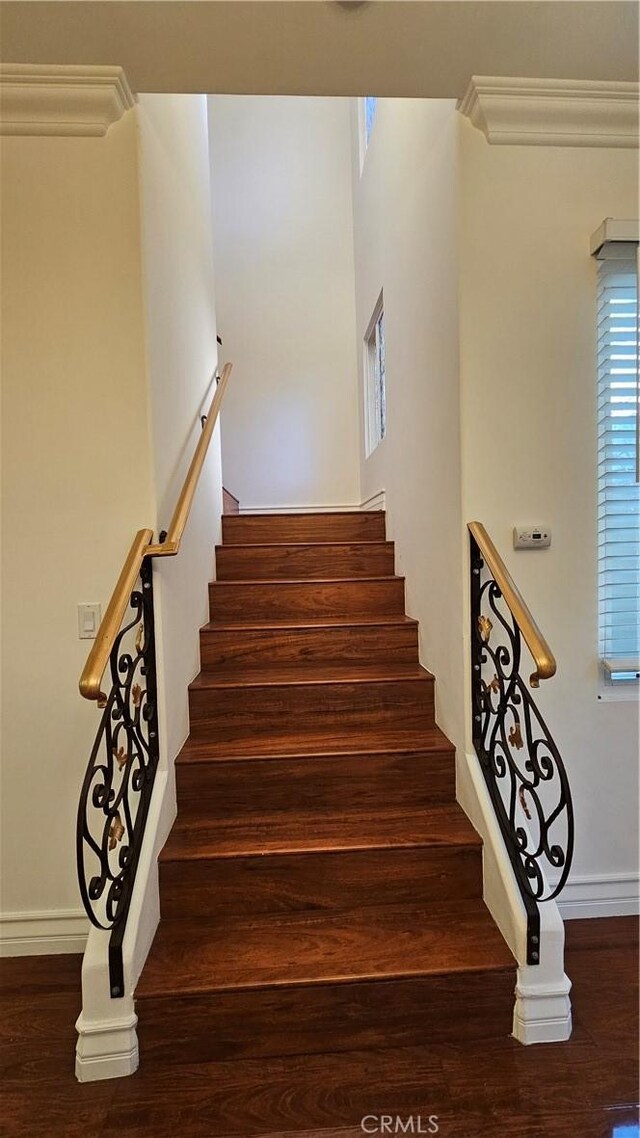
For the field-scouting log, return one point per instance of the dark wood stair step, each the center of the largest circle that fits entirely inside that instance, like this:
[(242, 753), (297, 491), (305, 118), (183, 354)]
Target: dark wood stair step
[(261, 834), (239, 705), (275, 985), (319, 675), (221, 784), (339, 526), (297, 861), (329, 1018), (368, 640), (300, 742), (301, 560), (283, 951), (298, 600)]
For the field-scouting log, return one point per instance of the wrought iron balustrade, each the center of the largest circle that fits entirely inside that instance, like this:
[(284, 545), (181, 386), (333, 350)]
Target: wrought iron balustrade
[(522, 767), (117, 787), (116, 792)]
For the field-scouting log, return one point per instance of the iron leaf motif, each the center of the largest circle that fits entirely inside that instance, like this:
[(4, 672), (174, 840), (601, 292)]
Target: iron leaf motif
[(121, 756), (140, 639), (116, 832), (484, 627), (515, 737)]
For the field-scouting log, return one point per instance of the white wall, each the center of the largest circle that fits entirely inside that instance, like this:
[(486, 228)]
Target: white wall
[(527, 288), (405, 241), (109, 339), (182, 356), (283, 238), (76, 480)]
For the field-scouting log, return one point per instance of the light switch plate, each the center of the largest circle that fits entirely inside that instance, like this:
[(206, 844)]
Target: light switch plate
[(531, 537), (89, 617)]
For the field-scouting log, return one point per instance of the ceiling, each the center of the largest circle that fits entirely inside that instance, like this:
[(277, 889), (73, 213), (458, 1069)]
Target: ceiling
[(380, 47)]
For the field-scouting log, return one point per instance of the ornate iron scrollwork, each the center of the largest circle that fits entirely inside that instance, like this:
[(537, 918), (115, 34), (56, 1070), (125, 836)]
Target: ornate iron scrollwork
[(117, 786), (522, 766)]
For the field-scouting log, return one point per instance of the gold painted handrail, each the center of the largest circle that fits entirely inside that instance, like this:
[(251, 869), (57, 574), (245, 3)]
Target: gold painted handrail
[(98, 658), (542, 655)]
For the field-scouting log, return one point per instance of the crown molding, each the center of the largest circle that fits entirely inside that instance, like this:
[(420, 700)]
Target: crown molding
[(45, 99), (553, 112)]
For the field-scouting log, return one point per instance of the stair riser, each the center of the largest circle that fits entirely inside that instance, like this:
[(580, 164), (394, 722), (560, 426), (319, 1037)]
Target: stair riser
[(355, 644), (304, 881), (233, 713), (310, 783), (284, 601), (327, 1017), (291, 562), (272, 528)]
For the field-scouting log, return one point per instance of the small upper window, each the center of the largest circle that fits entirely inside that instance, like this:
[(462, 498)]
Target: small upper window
[(375, 380), (367, 109), (370, 108)]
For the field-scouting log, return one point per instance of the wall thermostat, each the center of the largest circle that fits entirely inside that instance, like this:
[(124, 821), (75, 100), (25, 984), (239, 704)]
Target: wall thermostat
[(531, 537)]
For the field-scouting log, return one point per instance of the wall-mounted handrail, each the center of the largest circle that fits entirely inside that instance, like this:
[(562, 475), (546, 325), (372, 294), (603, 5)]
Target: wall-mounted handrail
[(171, 545), (98, 658), (542, 655)]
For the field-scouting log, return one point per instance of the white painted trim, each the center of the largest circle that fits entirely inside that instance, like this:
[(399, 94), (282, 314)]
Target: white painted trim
[(553, 112), (601, 895), (43, 933), (51, 99), (102, 1051), (542, 1011), (337, 507), (106, 1049), (614, 229), (375, 502)]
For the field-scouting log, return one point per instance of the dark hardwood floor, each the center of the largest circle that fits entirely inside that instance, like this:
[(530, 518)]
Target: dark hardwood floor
[(586, 1088)]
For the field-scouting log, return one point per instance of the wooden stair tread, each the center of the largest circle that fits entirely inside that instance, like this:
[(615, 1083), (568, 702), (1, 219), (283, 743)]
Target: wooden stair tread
[(247, 515), (255, 835), (308, 544), (310, 673), (307, 581), (286, 950), (285, 623), (301, 744)]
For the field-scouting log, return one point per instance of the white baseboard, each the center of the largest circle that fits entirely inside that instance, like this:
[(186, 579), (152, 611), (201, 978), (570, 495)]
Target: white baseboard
[(43, 933), (542, 1013), (375, 502), (337, 507), (601, 895), (106, 1049)]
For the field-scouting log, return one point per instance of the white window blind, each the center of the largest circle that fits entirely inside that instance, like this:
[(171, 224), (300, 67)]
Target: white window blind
[(618, 487)]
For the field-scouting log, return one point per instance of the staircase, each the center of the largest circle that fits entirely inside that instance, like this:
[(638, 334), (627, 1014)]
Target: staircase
[(321, 890)]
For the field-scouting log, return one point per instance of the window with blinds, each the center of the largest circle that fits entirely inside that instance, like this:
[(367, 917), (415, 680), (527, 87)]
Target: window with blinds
[(618, 459)]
